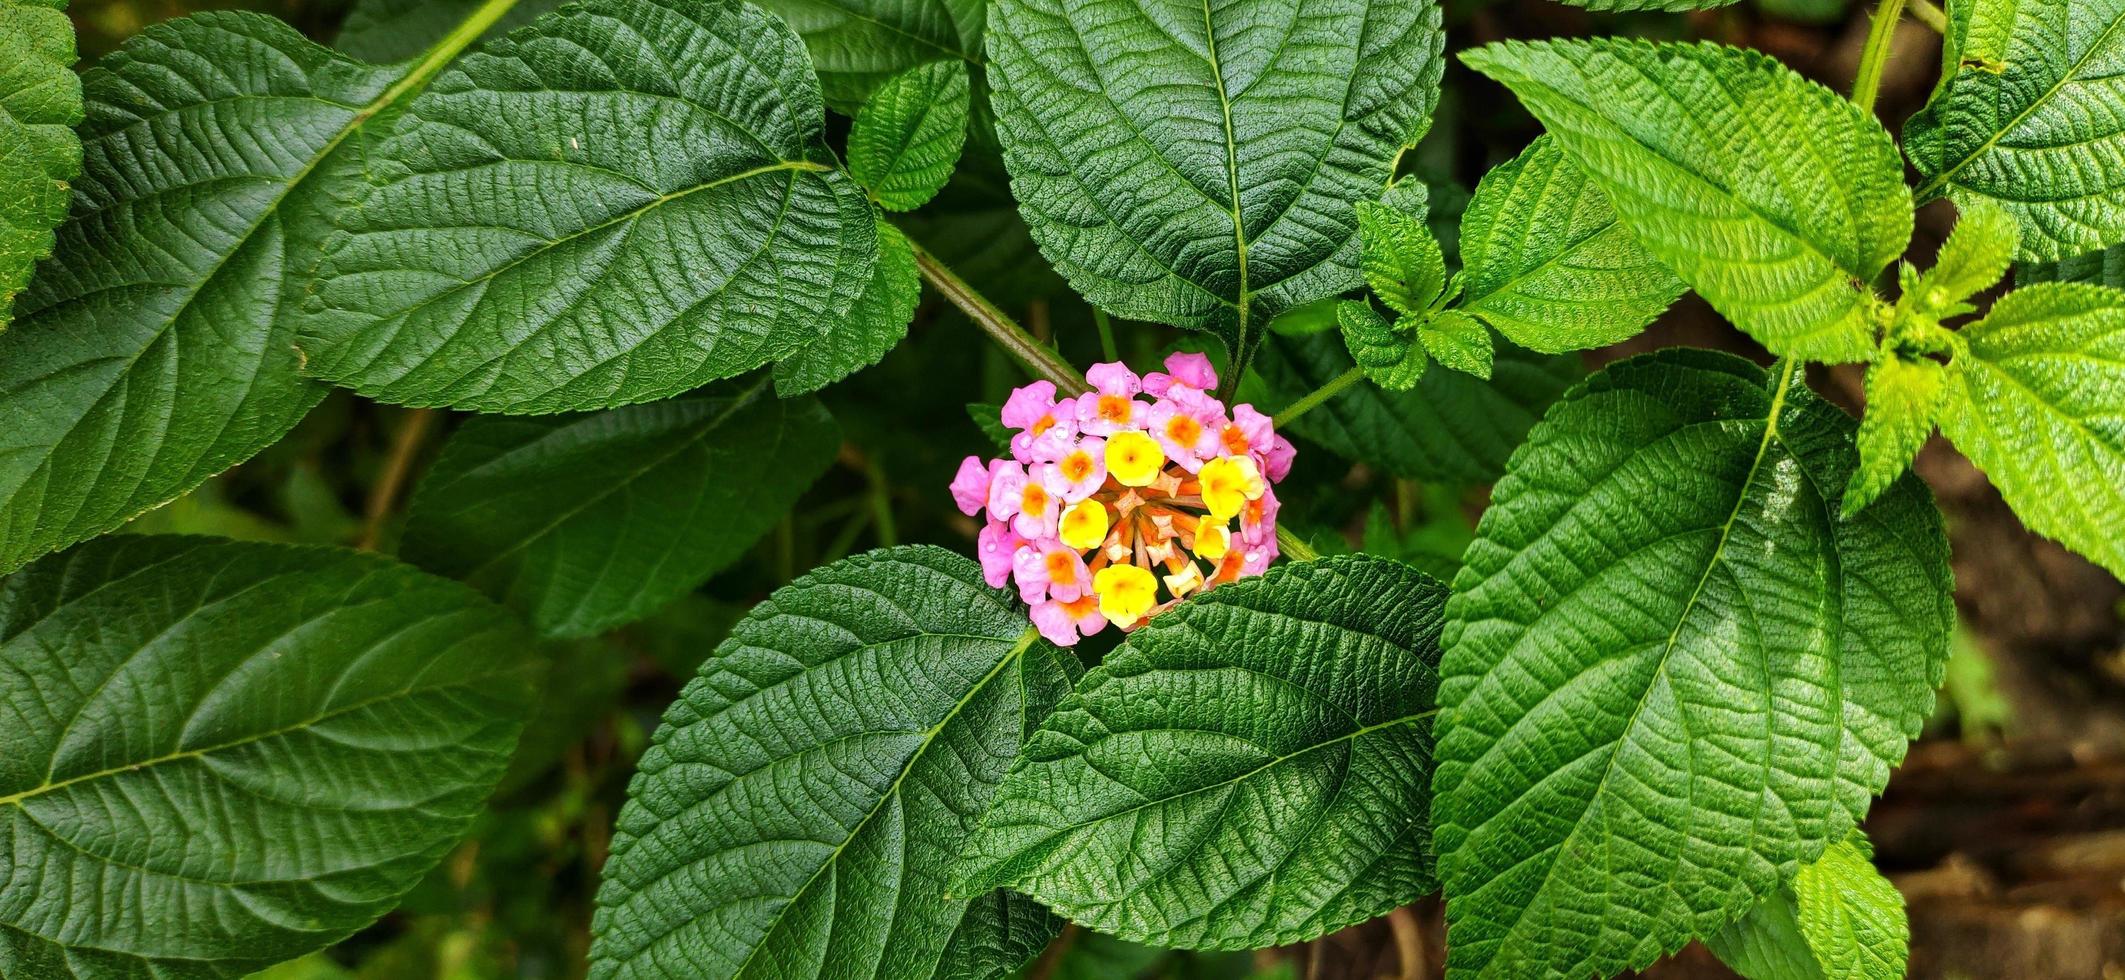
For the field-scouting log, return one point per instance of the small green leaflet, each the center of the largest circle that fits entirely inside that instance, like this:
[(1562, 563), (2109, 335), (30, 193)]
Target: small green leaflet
[(1777, 200), (1547, 264), (874, 326), (1203, 170), (156, 350), (2026, 117), (1402, 262), (1903, 401), (1971, 261), (323, 726), (905, 142), (1839, 919), (586, 522), (619, 203), (1451, 427), (2033, 401), (806, 796), (1392, 358), (1673, 673), (40, 102), (1458, 341), (1248, 770), (858, 44)]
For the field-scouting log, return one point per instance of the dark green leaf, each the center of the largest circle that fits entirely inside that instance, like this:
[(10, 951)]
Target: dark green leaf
[(874, 326), (858, 44), (2104, 268), (384, 31), (1392, 358), (1402, 262), (906, 140), (1839, 919)]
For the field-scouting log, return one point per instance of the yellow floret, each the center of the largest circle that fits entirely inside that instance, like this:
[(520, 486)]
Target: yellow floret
[(1228, 483), (1126, 593), (1084, 525), (1212, 541), (1133, 459)]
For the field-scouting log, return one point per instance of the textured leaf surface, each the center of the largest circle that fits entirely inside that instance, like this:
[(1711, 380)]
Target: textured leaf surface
[(614, 205), (874, 326), (1672, 673), (1199, 167), (1546, 263), (156, 350), (1452, 427), (586, 522), (1972, 260), (40, 101), (1838, 920), (1251, 769), (384, 31), (1393, 359), (219, 755), (858, 44), (1775, 199), (806, 795), (1458, 341), (2033, 400), (1903, 400), (905, 142), (2104, 268), (1401, 261), (2030, 114)]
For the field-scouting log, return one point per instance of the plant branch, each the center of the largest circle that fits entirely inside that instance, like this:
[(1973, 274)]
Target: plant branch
[(1928, 14), (383, 497), (1881, 37), (1052, 957), (1315, 398), (1038, 358)]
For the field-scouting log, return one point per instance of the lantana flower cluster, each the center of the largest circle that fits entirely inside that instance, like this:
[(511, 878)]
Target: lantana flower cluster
[(1118, 503)]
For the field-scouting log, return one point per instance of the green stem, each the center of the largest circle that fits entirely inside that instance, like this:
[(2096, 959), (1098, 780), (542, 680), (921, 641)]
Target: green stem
[(1293, 547), (1106, 335), (1314, 399), (444, 52), (1929, 14), (1038, 358), (1881, 36), (882, 504)]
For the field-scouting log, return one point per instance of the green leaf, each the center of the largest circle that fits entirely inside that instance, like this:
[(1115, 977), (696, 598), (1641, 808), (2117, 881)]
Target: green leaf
[(806, 795), (1402, 262), (874, 326), (1971, 261), (2026, 117), (1393, 359), (616, 204), (2033, 401), (40, 102), (2104, 268), (858, 44), (1777, 200), (215, 756), (156, 350), (384, 31), (1452, 427), (1838, 920), (1458, 340), (1203, 170), (906, 140), (1670, 6), (1672, 673), (586, 522), (1248, 770), (1546, 262), (1903, 401)]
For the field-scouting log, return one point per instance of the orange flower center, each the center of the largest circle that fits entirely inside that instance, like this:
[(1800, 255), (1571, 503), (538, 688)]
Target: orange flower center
[(1034, 500), (1077, 466), (1115, 408), (1183, 430), (1235, 441), (1042, 424), (1060, 567)]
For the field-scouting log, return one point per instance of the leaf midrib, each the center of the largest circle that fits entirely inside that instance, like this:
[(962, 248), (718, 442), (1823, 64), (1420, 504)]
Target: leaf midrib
[(1933, 184), (1232, 180)]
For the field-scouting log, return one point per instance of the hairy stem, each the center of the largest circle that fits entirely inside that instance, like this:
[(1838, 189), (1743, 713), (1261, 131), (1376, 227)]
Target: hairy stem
[(1294, 547), (383, 497), (1881, 36), (1928, 14), (1316, 397), (1015, 341)]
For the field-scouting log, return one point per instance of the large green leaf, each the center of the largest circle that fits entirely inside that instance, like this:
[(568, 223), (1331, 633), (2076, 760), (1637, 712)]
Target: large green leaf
[(619, 203), (806, 795), (2027, 116), (1673, 674), (40, 101), (586, 522), (383, 31), (2033, 400), (1201, 167), (156, 350), (1451, 427), (1546, 263), (858, 44), (874, 326), (1248, 770), (215, 756), (1839, 919), (1775, 199)]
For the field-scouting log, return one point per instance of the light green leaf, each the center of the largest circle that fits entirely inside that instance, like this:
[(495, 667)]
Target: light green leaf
[(2033, 401), (1838, 920), (1903, 401), (906, 140), (1402, 262), (874, 326), (1545, 261), (617, 204), (808, 792), (1777, 200), (1458, 341), (1393, 359), (2104, 268), (1248, 770), (1200, 167), (586, 522), (1672, 674), (265, 744), (1451, 428), (384, 31), (2026, 117), (156, 350), (858, 44), (1971, 261), (40, 102)]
